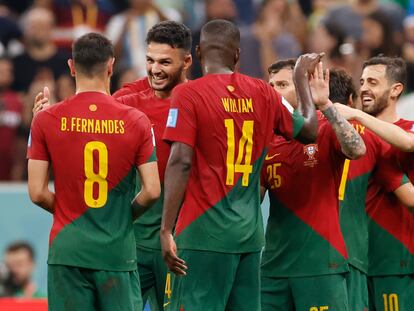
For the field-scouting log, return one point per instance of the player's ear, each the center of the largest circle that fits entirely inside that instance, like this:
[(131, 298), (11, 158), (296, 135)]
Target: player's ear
[(396, 90), (237, 56), (350, 102), (188, 60), (111, 62), (71, 65)]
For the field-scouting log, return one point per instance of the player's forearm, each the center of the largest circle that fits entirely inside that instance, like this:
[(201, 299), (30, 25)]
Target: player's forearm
[(142, 202), (175, 181), (405, 195), (306, 108), (352, 144), (389, 132), (44, 199)]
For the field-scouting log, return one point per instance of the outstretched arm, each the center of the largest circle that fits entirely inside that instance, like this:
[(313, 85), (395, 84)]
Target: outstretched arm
[(352, 145), (175, 182), (391, 133)]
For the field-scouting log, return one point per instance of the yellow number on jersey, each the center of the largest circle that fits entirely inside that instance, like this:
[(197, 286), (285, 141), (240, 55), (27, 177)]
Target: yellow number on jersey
[(273, 176), (245, 144), (92, 177), (321, 308), (344, 178), (391, 302), (168, 286)]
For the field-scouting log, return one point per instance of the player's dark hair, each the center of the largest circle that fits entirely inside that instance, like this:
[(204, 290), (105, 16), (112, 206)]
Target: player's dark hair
[(395, 68), (341, 86), (21, 245), (281, 64), (91, 52), (222, 31), (176, 35)]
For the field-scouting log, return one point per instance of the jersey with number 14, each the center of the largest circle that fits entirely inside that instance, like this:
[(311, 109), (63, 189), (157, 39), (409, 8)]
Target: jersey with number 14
[(94, 144), (228, 120)]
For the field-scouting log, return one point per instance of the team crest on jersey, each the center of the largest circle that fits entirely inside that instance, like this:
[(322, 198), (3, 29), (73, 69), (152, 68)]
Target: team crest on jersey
[(311, 151)]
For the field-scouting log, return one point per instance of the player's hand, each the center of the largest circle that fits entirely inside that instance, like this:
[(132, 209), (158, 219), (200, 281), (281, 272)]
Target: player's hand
[(42, 100), (346, 111), (169, 253), (319, 85), (306, 63)]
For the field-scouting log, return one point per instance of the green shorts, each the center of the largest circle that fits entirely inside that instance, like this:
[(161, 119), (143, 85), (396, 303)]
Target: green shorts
[(74, 289), (152, 273), (356, 282), (316, 293), (215, 282), (391, 293)]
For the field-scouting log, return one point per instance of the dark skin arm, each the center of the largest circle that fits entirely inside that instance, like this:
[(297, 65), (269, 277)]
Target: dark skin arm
[(175, 182), (304, 66)]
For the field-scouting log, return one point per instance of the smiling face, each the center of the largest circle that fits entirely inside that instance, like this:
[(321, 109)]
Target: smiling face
[(282, 82), (166, 66), (375, 89)]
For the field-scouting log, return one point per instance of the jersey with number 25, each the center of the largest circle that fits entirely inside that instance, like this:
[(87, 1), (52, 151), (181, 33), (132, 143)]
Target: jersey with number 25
[(228, 120), (94, 144)]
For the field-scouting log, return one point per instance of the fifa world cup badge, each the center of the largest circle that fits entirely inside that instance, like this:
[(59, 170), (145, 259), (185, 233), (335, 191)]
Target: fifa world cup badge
[(311, 151)]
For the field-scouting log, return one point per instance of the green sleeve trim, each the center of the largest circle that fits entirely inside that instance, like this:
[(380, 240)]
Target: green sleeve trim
[(298, 122), (153, 156), (404, 180)]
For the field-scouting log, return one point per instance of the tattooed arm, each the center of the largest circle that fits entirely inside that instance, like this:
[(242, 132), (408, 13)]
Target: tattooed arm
[(352, 145)]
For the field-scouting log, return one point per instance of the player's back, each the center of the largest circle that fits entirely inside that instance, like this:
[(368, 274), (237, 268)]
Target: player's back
[(94, 144), (228, 119)]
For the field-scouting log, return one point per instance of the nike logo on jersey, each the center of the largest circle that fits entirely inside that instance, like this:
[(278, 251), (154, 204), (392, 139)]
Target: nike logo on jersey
[(268, 157)]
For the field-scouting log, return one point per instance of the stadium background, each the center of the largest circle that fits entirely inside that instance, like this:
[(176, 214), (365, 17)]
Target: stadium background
[(35, 37)]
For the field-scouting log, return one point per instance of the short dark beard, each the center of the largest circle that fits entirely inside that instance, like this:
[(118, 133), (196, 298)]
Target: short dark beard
[(175, 79), (380, 104)]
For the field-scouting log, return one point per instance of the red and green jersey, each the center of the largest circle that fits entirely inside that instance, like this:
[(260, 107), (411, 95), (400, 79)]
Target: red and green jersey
[(303, 234), (391, 225), (132, 87), (94, 145), (147, 227), (375, 165), (228, 120)]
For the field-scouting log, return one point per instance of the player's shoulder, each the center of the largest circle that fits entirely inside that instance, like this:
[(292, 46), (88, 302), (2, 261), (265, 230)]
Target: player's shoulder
[(133, 87), (407, 125)]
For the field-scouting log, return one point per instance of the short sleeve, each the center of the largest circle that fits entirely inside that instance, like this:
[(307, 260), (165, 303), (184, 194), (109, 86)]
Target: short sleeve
[(287, 123), (181, 123), (388, 172), (36, 145), (146, 145)]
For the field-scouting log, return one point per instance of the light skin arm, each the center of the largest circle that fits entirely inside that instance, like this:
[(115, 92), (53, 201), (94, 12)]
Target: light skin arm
[(405, 195), (389, 132), (175, 182), (150, 189), (352, 145), (305, 65), (38, 179), (42, 100)]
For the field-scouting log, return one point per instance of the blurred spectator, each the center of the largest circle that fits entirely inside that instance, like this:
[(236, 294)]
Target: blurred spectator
[(349, 16), (9, 31), (268, 39), (408, 51), (121, 77), (214, 9), (41, 54), (19, 263), (11, 108), (75, 18), (65, 87), (128, 30)]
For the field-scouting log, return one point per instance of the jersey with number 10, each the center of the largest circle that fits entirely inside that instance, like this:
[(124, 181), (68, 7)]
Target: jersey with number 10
[(94, 144), (228, 120)]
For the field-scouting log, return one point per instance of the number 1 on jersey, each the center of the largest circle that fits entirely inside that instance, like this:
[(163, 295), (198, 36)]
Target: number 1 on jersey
[(244, 152)]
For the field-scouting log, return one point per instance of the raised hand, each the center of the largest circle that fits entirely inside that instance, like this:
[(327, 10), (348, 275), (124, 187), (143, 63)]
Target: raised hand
[(319, 85), (307, 63), (42, 100)]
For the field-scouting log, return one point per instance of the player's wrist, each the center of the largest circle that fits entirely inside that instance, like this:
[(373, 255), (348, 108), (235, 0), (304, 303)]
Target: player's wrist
[(327, 104)]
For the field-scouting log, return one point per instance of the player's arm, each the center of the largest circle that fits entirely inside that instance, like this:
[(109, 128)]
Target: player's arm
[(305, 64), (389, 132), (405, 195), (176, 176), (38, 180), (42, 100), (150, 189), (352, 144)]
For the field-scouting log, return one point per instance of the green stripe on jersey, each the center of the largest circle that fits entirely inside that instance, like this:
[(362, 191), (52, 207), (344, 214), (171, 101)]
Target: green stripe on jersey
[(298, 122), (354, 221), (101, 238), (233, 225), (294, 249)]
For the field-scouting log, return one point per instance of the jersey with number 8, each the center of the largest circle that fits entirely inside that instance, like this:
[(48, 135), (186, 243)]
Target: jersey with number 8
[(228, 120), (94, 144)]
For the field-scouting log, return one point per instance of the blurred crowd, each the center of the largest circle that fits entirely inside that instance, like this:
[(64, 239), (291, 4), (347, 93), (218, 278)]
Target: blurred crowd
[(36, 37)]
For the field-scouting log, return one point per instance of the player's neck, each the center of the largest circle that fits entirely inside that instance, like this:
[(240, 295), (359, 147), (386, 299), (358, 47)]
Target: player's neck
[(92, 85), (389, 114), (209, 68)]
